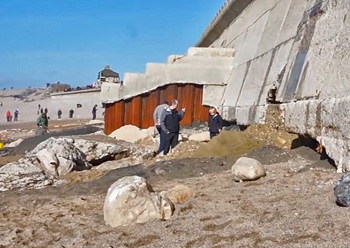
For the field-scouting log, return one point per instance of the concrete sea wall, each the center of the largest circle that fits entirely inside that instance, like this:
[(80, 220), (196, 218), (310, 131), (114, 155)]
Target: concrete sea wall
[(303, 46)]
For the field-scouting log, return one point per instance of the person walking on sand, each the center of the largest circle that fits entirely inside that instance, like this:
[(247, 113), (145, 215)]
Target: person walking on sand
[(43, 124), (94, 111), (215, 122), (16, 114), (71, 112), (156, 117), (59, 114), (8, 116), (170, 123)]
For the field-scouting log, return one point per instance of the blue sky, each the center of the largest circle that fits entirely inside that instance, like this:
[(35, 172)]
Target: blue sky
[(43, 41)]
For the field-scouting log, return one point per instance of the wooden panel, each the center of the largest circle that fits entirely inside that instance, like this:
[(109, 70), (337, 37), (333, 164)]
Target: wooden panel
[(171, 92), (145, 106), (127, 112), (180, 98), (188, 103), (118, 120), (163, 95), (109, 116), (153, 103), (136, 114), (201, 113)]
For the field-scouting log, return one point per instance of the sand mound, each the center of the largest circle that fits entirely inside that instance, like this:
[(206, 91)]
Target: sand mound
[(227, 144)]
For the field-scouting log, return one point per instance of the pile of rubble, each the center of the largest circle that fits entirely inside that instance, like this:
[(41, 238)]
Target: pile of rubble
[(57, 157)]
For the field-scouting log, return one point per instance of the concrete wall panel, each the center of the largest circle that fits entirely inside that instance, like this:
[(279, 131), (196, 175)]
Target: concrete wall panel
[(273, 27), (253, 83), (235, 84)]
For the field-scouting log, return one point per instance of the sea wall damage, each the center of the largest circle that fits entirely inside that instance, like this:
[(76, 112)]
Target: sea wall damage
[(297, 48)]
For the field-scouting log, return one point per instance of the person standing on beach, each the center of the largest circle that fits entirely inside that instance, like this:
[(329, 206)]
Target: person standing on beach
[(8, 116), (94, 111), (16, 114), (156, 117), (215, 122), (170, 123), (59, 114), (71, 112)]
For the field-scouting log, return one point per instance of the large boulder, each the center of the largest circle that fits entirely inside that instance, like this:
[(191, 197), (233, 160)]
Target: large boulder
[(129, 133), (97, 152), (58, 156), (247, 169), (342, 191), (130, 200), (201, 137)]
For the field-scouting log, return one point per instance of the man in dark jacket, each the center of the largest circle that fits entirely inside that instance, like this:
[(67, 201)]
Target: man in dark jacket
[(94, 111), (170, 124), (215, 122)]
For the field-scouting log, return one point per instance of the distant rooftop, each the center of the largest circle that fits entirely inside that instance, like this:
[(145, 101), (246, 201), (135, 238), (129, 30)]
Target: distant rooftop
[(107, 72)]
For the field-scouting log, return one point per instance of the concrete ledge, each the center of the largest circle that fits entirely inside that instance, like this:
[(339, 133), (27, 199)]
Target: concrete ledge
[(228, 12), (75, 92), (325, 120)]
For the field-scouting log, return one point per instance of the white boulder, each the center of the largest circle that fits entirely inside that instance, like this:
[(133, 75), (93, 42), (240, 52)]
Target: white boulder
[(48, 161), (129, 201), (201, 137), (129, 133), (58, 153), (247, 169), (14, 143)]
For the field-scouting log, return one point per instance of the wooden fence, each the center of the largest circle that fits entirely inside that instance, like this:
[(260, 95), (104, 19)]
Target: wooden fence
[(138, 110)]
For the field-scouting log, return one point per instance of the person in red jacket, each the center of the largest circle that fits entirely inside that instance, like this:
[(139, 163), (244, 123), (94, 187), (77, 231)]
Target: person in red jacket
[(8, 116)]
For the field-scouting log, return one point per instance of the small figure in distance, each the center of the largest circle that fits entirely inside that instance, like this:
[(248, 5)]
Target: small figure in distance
[(59, 114), (71, 112), (94, 111)]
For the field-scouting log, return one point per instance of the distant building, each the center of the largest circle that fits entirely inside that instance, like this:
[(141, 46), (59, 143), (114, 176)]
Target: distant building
[(107, 76)]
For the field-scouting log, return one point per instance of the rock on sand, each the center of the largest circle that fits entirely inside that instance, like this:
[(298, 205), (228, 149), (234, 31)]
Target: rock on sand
[(95, 122), (179, 194), (58, 156), (201, 137), (14, 143), (129, 133), (247, 169), (342, 191), (129, 201)]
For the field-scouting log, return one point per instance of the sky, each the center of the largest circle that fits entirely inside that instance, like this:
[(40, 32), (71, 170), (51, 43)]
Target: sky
[(70, 41)]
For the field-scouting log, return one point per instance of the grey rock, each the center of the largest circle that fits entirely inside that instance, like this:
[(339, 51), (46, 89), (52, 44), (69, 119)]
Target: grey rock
[(342, 191)]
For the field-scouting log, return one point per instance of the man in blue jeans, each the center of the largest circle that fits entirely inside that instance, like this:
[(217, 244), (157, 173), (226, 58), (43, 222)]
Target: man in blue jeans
[(156, 116)]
